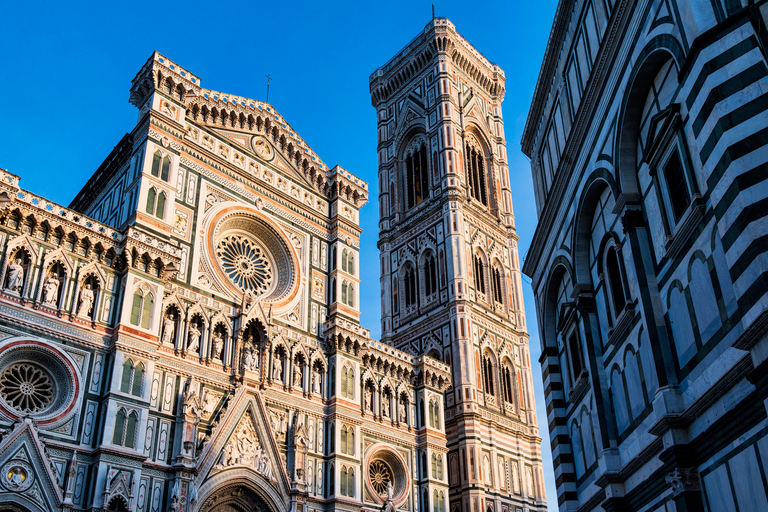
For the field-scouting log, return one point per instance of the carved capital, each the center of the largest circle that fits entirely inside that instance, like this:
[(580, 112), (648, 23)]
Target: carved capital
[(684, 480), (631, 220)]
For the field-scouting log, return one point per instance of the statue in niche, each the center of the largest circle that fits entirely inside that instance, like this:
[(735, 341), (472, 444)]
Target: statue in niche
[(385, 407), (297, 375), (218, 345), (194, 338), (50, 290), (168, 325), (277, 372), (368, 399), (86, 301), (402, 413), (316, 381), (15, 276)]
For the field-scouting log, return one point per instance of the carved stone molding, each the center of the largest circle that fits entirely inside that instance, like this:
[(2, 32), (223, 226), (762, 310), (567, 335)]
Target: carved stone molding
[(684, 480)]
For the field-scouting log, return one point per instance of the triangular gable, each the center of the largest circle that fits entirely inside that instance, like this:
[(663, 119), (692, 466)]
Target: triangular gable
[(27, 476), (244, 442)]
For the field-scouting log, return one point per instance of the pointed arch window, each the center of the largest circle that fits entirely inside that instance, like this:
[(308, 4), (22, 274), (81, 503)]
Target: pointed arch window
[(416, 176), (132, 378), (614, 279), (125, 428), (156, 162), (151, 196), (410, 288), (475, 168), (141, 309), (488, 370), (496, 287), (430, 275), (479, 275)]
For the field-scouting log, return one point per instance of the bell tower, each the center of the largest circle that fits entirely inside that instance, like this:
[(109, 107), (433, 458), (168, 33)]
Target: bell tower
[(450, 273)]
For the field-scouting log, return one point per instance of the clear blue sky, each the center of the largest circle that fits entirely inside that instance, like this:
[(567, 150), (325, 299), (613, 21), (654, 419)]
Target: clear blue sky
[(67, 69)]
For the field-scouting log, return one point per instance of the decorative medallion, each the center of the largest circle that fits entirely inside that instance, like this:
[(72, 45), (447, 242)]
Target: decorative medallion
[(387, 475), (17, 476), (381, 477)]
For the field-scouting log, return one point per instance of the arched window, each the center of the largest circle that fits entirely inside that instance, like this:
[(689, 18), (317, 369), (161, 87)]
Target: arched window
[(156, 159), (344, 260), (496, 288), (479, 276), (117, 436), (475, 167), (166, 168), (351, 295), (343, 481), (435, 501), (333, 257), (439, 474), (344, 291), (410, 285), (507, 377), (125, 382), (351, 483), (416, 176), (333, 290), (138, 377), (130, 430), (151, 195), (434, 466), (614, 279), (331, 479), (488, 370), (343, 436), (351, 262), (141, 309), (160, 208), (132, 378), (430, 275)]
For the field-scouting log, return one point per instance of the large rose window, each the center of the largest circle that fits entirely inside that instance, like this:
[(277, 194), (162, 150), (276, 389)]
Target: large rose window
[(387, 476), (246, 254), (245, 264), (26, 387)]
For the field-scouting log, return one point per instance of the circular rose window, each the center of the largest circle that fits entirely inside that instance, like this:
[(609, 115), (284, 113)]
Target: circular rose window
[(387, 477), (245, 263), (26, 387), (37, 381), (247, 254)]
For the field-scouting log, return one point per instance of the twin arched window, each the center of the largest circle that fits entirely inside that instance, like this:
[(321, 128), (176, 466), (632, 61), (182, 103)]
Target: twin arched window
[(133, 378), (155, 203), (161, 166), (476, 179), (348, 261), (507, 376), (125, 428), (347, 481), (496, 288), (438, 500), (437, 466), (434, 414), (141, 311), (348, 440), (416, 177), (348, 383), (348, 293)]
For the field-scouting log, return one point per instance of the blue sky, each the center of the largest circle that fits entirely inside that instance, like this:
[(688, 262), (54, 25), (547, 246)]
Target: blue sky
[(67, 70)]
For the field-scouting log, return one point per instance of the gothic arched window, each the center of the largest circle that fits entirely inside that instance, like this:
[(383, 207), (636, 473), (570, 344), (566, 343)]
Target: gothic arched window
[(479, 274), (416, 176), (475, 167), (411, 289), (151, 194), (488, 386), (496, 287), (141, 309), (430, 275), (614, 280)]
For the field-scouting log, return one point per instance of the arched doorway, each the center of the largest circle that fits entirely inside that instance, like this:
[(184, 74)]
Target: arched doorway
[(239, 496)]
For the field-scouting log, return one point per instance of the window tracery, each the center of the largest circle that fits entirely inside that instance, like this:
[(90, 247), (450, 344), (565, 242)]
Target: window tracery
[(416, 174), (474, 163)]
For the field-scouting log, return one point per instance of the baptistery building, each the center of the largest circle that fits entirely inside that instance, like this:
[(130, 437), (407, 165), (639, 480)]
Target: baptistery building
[(648, 140), (185, 334)]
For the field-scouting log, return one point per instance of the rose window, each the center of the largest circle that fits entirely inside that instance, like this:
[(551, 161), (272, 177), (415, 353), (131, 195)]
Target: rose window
[(245, 264), (381, 477), (26, 387)]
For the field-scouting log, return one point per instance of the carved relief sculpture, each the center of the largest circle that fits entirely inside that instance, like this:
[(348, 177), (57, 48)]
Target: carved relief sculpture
[(194, 339)]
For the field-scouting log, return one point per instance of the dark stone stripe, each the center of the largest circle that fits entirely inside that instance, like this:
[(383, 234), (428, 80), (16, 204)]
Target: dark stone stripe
[(754, 249), (749, 214), (734, 84), (739, 184), (719, 62), (735, 117), (754, 293), (734, 152)]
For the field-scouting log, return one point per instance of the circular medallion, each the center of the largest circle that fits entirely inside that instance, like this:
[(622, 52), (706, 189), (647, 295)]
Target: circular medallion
[(17, 476), (26, 387)]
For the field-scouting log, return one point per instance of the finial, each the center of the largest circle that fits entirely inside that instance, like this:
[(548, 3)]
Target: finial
[(433, 11)]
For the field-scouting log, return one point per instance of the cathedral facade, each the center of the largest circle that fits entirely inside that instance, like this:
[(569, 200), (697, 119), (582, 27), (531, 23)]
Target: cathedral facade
[(648, 140), (185, 335), (450, 274)]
